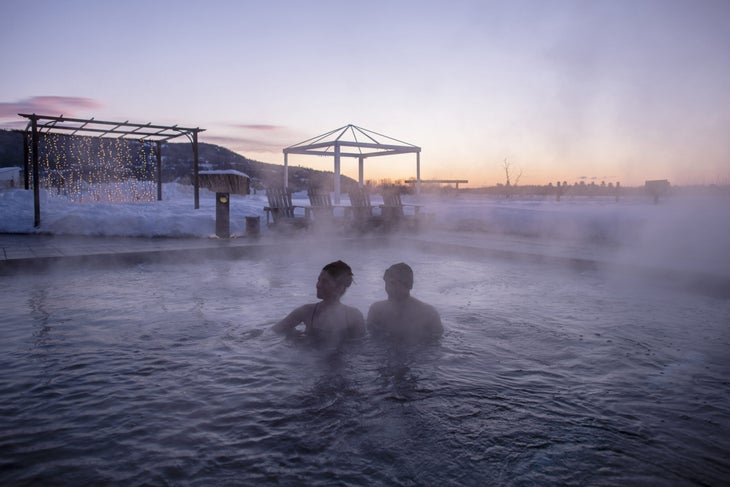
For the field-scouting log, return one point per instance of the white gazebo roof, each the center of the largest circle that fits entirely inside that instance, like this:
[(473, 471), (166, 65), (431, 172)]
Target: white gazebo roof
[(352, 141)]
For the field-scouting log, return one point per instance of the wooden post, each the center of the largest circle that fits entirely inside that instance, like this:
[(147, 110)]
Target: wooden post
[(158, 147), (36, 175), (195, 169)]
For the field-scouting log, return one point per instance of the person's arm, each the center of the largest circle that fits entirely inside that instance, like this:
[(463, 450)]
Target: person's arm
[(356, 323), (373, 326), (292, 320), (434, 326), (377, 321)]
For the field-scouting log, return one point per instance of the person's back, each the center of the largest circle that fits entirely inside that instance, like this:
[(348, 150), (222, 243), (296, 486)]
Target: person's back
[(328, 321), (333, 323), (402, 317)]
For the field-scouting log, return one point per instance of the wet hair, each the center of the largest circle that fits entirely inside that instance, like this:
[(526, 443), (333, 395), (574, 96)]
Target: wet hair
[(341, 272), (401, 272)]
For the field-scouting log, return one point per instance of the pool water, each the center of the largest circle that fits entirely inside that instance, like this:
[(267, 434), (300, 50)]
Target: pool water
[(160, 374)]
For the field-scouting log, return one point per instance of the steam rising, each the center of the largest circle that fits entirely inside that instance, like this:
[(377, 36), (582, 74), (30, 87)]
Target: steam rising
[(686, 233)]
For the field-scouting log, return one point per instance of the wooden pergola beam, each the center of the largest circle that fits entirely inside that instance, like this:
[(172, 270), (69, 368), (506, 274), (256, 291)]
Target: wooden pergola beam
[(120, 129)]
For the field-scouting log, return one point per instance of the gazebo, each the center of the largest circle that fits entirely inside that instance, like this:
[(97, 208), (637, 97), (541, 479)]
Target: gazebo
[(356, 142)]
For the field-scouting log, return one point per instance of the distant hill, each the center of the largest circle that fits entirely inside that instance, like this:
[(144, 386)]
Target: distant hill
[(11, 148), (177, 164)]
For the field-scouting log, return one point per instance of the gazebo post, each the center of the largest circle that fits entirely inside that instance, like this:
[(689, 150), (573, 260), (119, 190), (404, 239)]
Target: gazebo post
[(418, 173), (286, 170), (337, 174), (361, 170)]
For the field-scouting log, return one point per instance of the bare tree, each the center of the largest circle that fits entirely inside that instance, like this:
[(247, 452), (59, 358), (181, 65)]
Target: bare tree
[(508, 173)]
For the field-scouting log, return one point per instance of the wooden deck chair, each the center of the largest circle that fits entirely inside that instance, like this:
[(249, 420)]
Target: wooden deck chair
[(362, 215), (395, 214), (281, 210), (321, 205)]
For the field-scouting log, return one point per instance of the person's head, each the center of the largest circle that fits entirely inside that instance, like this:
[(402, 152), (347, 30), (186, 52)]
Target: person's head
[(398, 281), (334, 280)]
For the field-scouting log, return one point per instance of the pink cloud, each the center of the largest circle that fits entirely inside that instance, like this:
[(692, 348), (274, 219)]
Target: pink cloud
[(243, 144), (48, 105), (254, 137)]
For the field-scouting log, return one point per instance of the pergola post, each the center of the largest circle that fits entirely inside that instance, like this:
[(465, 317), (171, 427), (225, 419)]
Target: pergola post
[(158, 148), (195, 169), (36, 176), (337, 174)]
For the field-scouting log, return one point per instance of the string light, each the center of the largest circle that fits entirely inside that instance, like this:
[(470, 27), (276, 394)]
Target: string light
[(96, 170)]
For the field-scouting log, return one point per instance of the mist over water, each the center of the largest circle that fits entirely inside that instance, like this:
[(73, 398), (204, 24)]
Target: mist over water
[(688, 233), (547, 374)]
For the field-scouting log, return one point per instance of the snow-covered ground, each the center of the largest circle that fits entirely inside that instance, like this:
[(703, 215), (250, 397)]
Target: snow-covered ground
[(684, 231)]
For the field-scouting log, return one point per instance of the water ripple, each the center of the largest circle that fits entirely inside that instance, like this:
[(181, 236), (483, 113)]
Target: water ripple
[(146, 379)]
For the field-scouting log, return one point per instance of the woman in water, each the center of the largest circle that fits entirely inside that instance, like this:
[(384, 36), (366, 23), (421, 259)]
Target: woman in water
[(328, 320)]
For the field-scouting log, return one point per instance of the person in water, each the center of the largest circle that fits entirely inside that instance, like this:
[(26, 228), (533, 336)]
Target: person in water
[(402, 317), (328, 320)]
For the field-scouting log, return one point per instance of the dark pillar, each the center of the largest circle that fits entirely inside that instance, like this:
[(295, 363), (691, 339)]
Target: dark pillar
[(195, 169), (253, 226), (222, 215), (159, 170), (36, 176)]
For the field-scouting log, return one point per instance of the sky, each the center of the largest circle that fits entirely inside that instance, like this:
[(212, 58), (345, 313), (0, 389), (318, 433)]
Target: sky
[(614, 91)]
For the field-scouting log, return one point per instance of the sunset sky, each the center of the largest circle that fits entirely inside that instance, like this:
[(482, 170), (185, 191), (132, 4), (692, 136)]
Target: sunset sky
[(608, 90)]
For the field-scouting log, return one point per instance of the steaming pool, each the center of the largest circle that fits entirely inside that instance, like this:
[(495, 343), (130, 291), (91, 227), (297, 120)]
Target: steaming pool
[(162, 373)]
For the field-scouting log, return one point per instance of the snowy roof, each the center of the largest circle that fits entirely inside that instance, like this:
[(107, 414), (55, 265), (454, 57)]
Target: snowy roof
[(225, 171)]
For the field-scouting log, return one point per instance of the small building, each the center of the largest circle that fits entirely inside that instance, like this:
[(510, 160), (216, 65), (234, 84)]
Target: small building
[(10, 177)]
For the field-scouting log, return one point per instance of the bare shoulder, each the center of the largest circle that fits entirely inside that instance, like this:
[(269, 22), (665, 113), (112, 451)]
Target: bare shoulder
[(378, 306), (353, 311), (423, 306)]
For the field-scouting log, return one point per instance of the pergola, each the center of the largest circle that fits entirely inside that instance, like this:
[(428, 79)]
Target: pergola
[(43, 124), (356, 142)]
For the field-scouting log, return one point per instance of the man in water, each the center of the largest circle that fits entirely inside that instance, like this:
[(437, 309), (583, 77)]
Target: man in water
[(402, 317), (328, 321)]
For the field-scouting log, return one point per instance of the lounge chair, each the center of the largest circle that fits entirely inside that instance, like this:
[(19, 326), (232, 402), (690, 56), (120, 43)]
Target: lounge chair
[(362, 215), (321, 204), (324, 214), (397, 215), (282, 212)]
